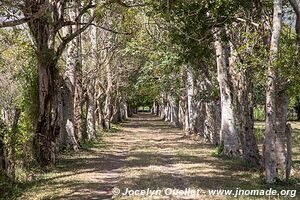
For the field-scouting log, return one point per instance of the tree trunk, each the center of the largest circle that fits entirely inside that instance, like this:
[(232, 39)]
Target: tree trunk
[(162, 106), (186, 119), (60, 115), (44, 30), (210, 124), (174, 111), (46, 131), (11, 167), (228, 130), (242, 85), (297, 109), (101, 114), (68, 93), (116, 115), (90, 118), (108, 99), (270, 139), (218, 117), (288, 169), (191, 107), (181, 113), (168, 111), (78, 94), (123, 109), (91, 101), (4, 123), (245, 115), (168, 108), (211, 120), (78, 105), (129, 111), (163, 113), (200, 116), (282, 102), (243, 97), (153, 109), (3, 156)]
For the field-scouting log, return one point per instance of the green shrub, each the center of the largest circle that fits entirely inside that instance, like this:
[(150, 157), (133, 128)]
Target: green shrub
[(259, 113)]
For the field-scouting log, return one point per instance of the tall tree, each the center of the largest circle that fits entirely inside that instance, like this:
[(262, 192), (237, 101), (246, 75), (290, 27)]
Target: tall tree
[(91, 107), (45, 20), (270, 161), (11, 169), (68, 92), (191, 107), (228, 132), (241, 50)]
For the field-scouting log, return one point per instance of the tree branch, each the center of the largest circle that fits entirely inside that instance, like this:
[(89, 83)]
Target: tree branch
[(17, 22), (126, 5), (70, 37), (85, 9), (296, 6), (71, 23), (244, 20)]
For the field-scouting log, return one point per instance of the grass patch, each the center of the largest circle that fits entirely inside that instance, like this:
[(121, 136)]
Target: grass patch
[(259, 113), (260, 133), (240, 164), (236, 163), (96, 143), (13, 190), (89, 144), (115, 128), (218, 152)]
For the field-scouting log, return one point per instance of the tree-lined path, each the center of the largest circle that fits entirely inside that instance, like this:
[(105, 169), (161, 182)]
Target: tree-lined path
[(143, 152), (221, 79)]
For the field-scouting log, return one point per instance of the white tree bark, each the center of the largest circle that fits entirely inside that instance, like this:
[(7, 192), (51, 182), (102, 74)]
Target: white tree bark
[(282, 103), (181, 113), (68, 92), (78, 98), (108, 99), (174, 104), (191, 107), (228, 130), (91, 123), (123, 109), (167, 107), (270, 161), (91, 101), (186, 119)]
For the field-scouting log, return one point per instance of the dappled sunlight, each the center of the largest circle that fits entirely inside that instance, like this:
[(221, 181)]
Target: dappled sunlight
[(145, 153)]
